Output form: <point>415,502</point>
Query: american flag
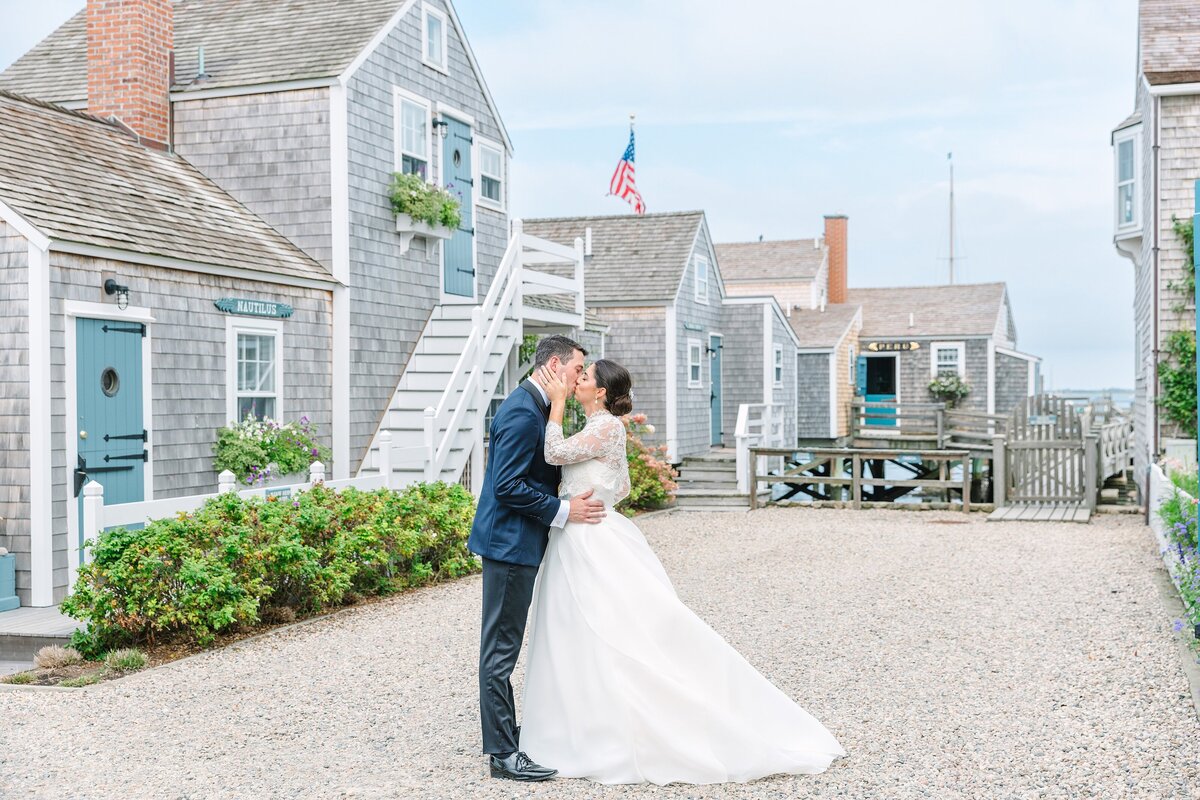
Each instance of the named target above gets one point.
<point>623,184</point>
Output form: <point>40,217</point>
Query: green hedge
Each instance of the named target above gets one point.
<point>221,567</point>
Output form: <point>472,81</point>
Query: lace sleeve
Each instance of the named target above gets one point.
<point>597,439</point>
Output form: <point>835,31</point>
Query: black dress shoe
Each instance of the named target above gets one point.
<point>520,767</point>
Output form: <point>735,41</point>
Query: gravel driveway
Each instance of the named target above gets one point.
<point>952,660</point>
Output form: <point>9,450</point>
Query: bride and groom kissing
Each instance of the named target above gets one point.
<point>623,683</point>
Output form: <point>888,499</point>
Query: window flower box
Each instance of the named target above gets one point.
<point>410,228</point>
<point>423,209</point>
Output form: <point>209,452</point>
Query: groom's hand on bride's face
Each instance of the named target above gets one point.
<point>586,510</point>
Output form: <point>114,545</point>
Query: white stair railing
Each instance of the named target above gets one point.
<point>465,388</point>
<point>758,425</point>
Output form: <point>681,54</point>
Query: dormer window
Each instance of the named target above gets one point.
<point>433,51</point>
<point>1128,173</point>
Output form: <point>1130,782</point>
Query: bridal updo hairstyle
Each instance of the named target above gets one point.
<point>617,385</point>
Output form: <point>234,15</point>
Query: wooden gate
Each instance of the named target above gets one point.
<point>1046,470</point>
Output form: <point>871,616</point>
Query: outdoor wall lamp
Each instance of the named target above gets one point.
<point>443,125</point>
<point>122,292</point>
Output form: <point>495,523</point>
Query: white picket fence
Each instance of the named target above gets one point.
<point>97,517</point>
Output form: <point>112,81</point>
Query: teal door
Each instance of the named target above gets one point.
<point>459,267</point>
<point>110,431</point>
<point>881,387</point>
<point>714,344</point>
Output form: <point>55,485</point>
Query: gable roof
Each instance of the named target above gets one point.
<point>80,179</point>
<point>963,309</point>
<point>821,329</point>
<point>246,43</point>
<point>1169,41</point>
<point>761,261</point>
<point>634,258</point>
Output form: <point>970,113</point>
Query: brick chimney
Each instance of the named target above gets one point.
<point>129,44</point>
<point>835,240</point>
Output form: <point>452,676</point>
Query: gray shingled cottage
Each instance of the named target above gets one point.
<point>695,354</point>
<point>138,298</point>
<point>880,344</point>
<point>300,112</point>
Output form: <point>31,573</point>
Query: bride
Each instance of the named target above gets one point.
<point>625,684</point>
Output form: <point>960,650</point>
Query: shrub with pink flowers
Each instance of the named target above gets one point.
<point>257,450</point>
<point>651,477</point>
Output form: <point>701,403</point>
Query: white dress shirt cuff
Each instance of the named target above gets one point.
<point>564,511</point>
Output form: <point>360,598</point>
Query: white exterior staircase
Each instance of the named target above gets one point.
<point>436,415</point>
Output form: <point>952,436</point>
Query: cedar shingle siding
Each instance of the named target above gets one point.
<point>813,404</point>
<point>696,320</point>
<point>14,399</point>
<point>393,295</point>
<point>635,340</point>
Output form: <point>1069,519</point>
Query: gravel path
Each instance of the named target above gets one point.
<point>952,660</point>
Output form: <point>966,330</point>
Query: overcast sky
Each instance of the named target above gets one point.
<point>769,115</point>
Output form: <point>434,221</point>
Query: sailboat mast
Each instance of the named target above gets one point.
<point>950,158</point>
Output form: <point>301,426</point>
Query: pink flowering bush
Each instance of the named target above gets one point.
<point>651,477</point>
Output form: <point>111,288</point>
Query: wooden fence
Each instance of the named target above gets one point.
<point>828,468</point>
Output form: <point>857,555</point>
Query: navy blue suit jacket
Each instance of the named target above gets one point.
<point>520,490</point>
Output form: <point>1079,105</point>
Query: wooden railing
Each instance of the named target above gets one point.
<point>970,429</point>
<point>834,461</point>
<point>1116,446</point>
<point>945,427</point>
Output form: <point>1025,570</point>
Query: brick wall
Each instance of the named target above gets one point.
<point>129,46</point>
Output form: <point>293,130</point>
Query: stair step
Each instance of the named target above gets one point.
<point>708,471</point>
<point>690,501</point>
<point>420,380</point>
<point>446,362</point>
<point>706,486</point>
<point>413,419</point>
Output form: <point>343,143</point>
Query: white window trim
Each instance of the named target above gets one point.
<point>398,95</point>
<point>428,11</point>
<point>961,347</point>
<point>777,365</point>
<point>480,200</point>
<point>696,348</point>
<point>701,296</point>
<point>258,327</point>
<point>853,367</point>
<point>1134,135</point>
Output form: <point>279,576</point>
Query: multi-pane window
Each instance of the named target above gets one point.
<point>257,367</point>
<point>1126,183</point>
<point>778,365</point>
<point>701,279</point>
<point>434,48</point>
<point>695,359</point>
<point>413,126</point>
<point>948,359</point>
<point>491,174</point>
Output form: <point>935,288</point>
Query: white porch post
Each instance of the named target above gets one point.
<point>41,531</point>
<point>90,526</point>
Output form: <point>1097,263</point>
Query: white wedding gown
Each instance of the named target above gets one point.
<point>625,684</point>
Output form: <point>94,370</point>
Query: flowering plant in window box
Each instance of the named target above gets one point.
<point>949,388</point>
<point>268,453</point>
<point>423,209</point>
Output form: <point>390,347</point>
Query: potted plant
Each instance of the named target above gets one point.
<point>268,453</point>
<point>949,388</point>
<point>423,209</point>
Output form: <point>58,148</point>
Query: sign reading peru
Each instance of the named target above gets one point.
<point>254,308</point>
<point>888,347</point>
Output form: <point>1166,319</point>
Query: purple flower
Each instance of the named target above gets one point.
<point>304,420</point>
<point>314,452</point>
<point>295,504</point>
<point>1177,626</point>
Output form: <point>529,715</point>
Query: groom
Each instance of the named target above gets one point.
<point>517,508</point>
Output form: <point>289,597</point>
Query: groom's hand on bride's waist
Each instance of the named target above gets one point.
<point>585,509</point>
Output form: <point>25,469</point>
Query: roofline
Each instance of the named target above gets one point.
<point>168,262</point>
<point>926,286</point>
<point>1169,89</point>
<point>923,336</point>
<point>642,302</point>
<point>688,259</point>
<point>592,217</point>
<point>856,316</point>
<point>23,226</point>
<point>762,300</point>
<point>1017,354</point>
<point>249,88</point>
<point>390,25</point>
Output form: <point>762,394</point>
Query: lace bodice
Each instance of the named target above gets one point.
<point>594,458</point>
